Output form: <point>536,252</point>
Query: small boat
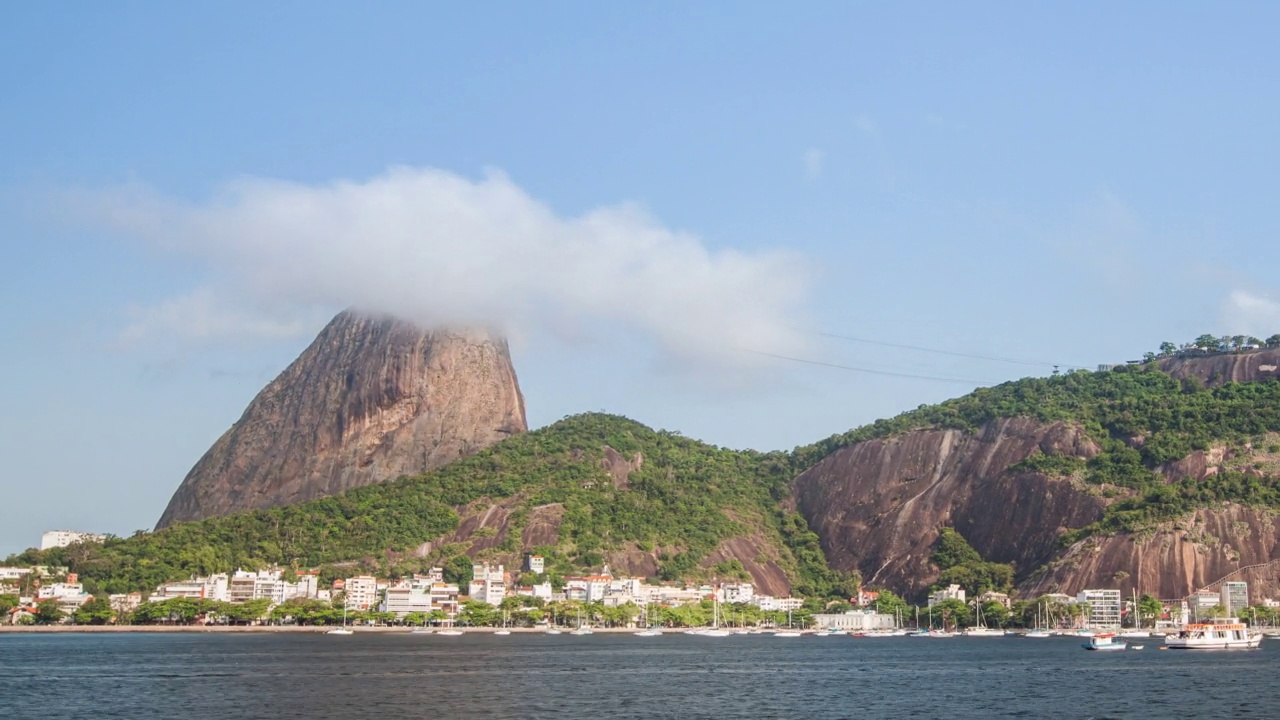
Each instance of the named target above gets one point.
<point>1136,647</point>
<point>501,632</point>
<point>1104,641</point>
<point>1135,634</point>
<point>450,631</point>
<point>787,633</point>
<point>553,631</point>
<point>649,632</point>
<point>1038,633</point>
<point>583,631</point>
<point>344,630</point>
<point>983,632</point>
<point>1229,634</point>
<point>420,631</point>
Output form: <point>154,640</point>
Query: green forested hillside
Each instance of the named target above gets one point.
<point>683,501</point>
<point>687,497</point>
<point>1140,416</point>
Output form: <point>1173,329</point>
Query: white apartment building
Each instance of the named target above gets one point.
<point>736,592</point>
<point>193,588</point>
<point>362,592</point>
<point>13,573</point>
<point>541,590</point>
<point>488,583</point>
<point>950,592</point>
<point>63,538</point>
<point>1104,607</point>
<point>536,564</point>
<point>854,620</point>
<point>1235,597</point>
<point>403,598</point>
<point>768,603</point>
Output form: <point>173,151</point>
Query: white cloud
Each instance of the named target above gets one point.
<point>1250,313</point>
<point>813,159</point>
<point>438,248</point>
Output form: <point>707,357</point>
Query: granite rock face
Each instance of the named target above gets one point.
<point>1214,370</point>
<point>372,398</point>
<point>878,506</point>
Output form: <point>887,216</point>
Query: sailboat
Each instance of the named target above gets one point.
<point>715,630</point>
<point>788,633</point>
<point>503,630</point>
<point>581,629</point>
<point>981,629</point>
<point>647,631</point>
<point>1039,631</point>
<point>344,630</point>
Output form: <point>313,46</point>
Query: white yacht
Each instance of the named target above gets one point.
<point>1229,634</point>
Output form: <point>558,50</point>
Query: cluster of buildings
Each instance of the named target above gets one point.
<point>422,593</point>
<point>1107,608</point>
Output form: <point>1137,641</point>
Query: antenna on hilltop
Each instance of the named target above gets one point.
<point>1055,369</point>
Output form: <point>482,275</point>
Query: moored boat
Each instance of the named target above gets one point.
<point>1229,634</point>
<point>1104,641</point>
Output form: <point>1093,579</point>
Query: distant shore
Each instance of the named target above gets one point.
<point>262,629</point>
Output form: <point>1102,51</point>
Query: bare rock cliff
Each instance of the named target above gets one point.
<point>1196,552</point>
<point>372,398</point>
<point>1214,370</point>
<point>877,506</point>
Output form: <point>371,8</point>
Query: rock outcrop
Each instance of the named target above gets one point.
<point>1193,553</point>
<point>1213,370</point>
<point>372,398</point>
<point>877,506</point>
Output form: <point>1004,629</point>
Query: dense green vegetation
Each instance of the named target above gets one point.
<point>686,498</point>
<point>962,565</point>
<point>683,501</point>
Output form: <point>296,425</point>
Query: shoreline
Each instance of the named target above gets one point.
<point>313,629</point>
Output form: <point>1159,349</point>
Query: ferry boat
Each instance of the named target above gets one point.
<point>1229,634</point>
<point>1105,641</point>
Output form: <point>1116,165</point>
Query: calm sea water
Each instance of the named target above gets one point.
<point>617,677</point>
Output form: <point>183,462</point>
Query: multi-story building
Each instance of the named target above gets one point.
<point>535,564</point>
<point>13,573</point>
<point>854,620</point>
<point>1234,597</point>
<point>768,603</point>
<point>69,594</point>
<point>361,592</point>
<point>403,598</point>
<point>488,583</point>
<point>193,588</point>
<point>737,592</point>
<point>950,592</point>
<point>1104,607</point>
<point>125,603</point>
<point>63,538</point>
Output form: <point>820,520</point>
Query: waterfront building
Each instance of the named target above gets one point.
<point>361,592</point>
<point>950,592</point>
<point>1234,597</point>
<point>123,603</point>
<point>1104,607</point>
<point>993,596</point>
<point>856,620</point>
<point>768,603</point>
<point>403,598</point>
<point>193,588</point>
<point>63,538</point>
<point>488,583</point>
<point>736,592</point>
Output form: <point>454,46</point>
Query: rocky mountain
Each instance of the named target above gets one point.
<point>372,398</point>
<point>1130,479</point>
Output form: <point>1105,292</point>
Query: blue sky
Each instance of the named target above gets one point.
<point>1067,184</point>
